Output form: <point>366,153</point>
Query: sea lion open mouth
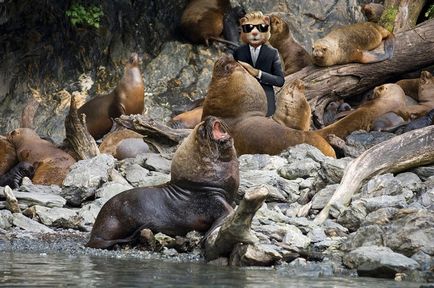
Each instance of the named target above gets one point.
<point>219,131</point>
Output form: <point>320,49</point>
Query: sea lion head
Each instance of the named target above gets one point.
<point>207,156</point>
<point>233,92</point>
<point>26,169</point>
<point>390,95</point>
<point>134,60</point>
<point>255,28</point>
<point>19,135</point>
<point>426,86</point>
<point>323,52</point>
<point>279,28</point>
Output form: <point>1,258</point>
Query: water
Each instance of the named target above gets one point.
<point>58,270</point>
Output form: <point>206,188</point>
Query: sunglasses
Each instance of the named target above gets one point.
<point>249,27</point>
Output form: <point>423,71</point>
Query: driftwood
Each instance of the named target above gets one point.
<point>412,52</point>
<point>160,136</point>
<point>77,136</point>
<point>400,15</point>
<point>411,149</point>
<point>11,200</point>
<point>236,227</point>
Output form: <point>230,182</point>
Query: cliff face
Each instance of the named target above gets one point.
<point>42,50</point>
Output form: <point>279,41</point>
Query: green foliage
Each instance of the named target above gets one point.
<point>430,12</point>
<point>87,16</point>
<point>388,18</point>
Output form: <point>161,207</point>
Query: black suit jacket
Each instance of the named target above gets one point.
<point>269,63</point>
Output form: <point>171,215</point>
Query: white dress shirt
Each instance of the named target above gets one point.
<point>254,53</point>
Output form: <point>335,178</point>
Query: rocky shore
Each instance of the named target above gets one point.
<point>387,230</point>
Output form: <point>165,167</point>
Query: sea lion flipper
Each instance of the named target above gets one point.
<point>372,57</point>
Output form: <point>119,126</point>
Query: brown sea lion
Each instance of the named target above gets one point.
<point>387,121</point>
<point>352,43</point>
<point>410,87</point>
<point>51,164</point>
<point>239,99</point>
<point>202,20</point>
<point>372,11</point>
<point>16,174</point>
<point>186,120</point>
<point>386,98</point>
<point>292,108</point>
<point>204,180</point>
<point>111,141</point>
<point>425,96</point>
<point>127,98</point>
<point>294,56</point>
<point>8,155</point>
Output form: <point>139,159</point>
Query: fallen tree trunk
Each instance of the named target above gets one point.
<point>411,149</point>
<point>77,136</point>
<point>412,52</point>
<point>236,227</point>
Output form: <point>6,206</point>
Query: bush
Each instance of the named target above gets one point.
<point>87,16</point>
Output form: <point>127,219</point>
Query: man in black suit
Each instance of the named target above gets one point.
<point>262,61</point>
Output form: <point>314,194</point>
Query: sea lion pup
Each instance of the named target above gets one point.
<point>386,98</point>
<point>204,180</point>
<point>425,96</point>
<point>292,108</point>
<point>202,20</point>
<point>8,155</point>
<point>294,56</point>
<point>421,122</point>
<point>51,164</point>
<point>111,140</point>
<point>372,11</point>
<point>352,44</point>
<point>127,98</point>
<point>16,174</point>
<point>237,97</point>
<point>330,112</point>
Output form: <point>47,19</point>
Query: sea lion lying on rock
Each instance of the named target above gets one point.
<point>425,96</point>
<point>16,174</point>
<point>51,163</point>
<point>204,180</point>
<point>352,43</point>
<point>237,97</point>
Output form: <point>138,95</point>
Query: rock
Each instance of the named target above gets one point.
<point>427,199</point>
<point>409,180</point>
<point>39,197</point>
<point>85,177</point>
<point>21,221</point>
<point>89,212</point>
<point>322,197</point>
<point>157,162</point>
<point>295,238</point>
<point>58,217</point>
<point>378,261</point>
<point>317,235</point>
<point>384,201</point>
<point>425,261</point>
<point>300,169</point>
<point>371,235</point>
<point>303,268</point>
<point>353,216</point>
<point>110,189</point>
<point>6,219</point>
<point>262,162</point>
<point>380,185</point>
<point>381,216</point>
<point>424,172</point>
<point>252,255</point>
<point>332,169</point>
<point>362,141</point>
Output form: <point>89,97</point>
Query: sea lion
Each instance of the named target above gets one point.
<point>231,23</point>
<point>51,164</point>
<point>127,98</point>
<point>373,11</point>
<point>352,43</point>
<point>386,98</point>
<point>387,121</point>
<point>236,96</point>
<point>294,56</point>
<point>111,140</point>
<point>204,180</point>
<point>292,108</point>
<point>410,87</point>
<point>425,96</point>
<point>8,155</point>
<point>186,120</point>
<point>16,174</point>
<point>420,122</point>
<point>202,20</point>
<point>330,112</point>
<point>130,148</point>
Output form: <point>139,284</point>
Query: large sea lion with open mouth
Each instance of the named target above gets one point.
<point>204,180</point>
<point>237,97</point>
<point>127,98</point>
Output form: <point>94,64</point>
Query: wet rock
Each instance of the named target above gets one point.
<point>6,219</point>
<point>378,262</point>
<point>58,217</point>
<point>303,268</point>
<point>39,196</point>
<point>21,221</point>
<point>85,177</point>
<point>359,142</point>
<point>252,255</point>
